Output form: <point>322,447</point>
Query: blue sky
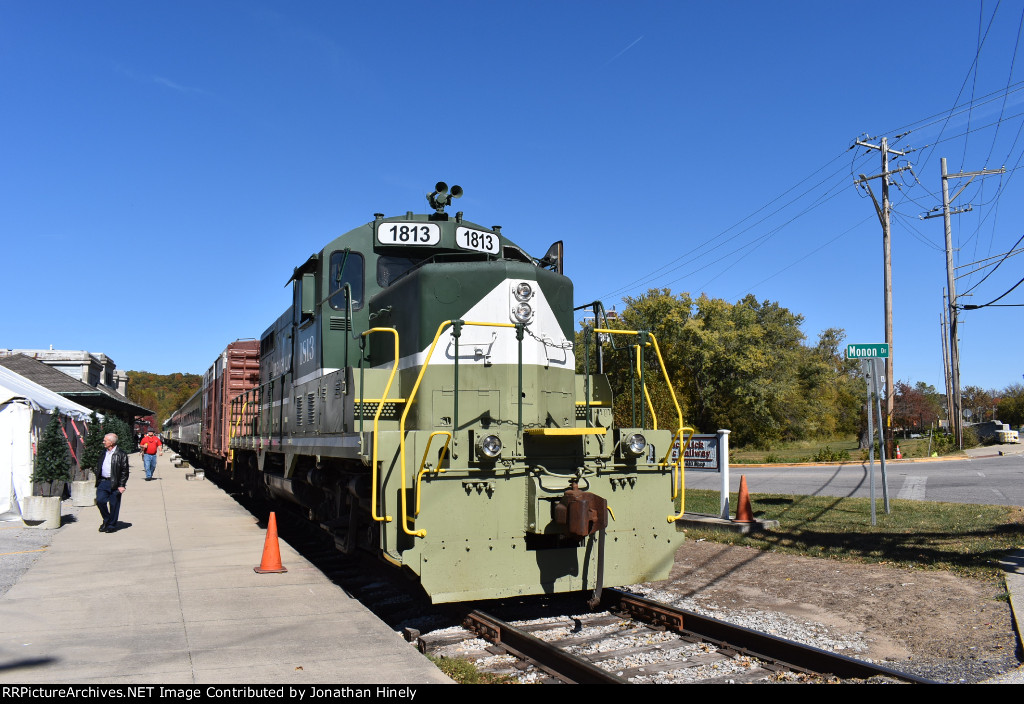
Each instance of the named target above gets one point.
<point>165,165</point>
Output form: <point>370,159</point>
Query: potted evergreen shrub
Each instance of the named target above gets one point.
<point>50,475</point>
<point>125,439</point>
<point>83,486</point>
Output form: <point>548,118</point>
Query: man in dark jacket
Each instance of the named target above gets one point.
<point>111,477</point>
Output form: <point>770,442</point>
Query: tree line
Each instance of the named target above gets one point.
<point>163,393</point>
<point>747,367</point>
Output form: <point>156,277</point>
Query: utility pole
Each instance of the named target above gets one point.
<point>883,217</point>
<point>956,412</point>
<point>944,324</point>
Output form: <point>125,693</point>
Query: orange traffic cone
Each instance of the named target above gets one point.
<point>899,455</point>
<point>744,514</point>
<point>271,552</point>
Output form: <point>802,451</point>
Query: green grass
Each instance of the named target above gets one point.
<point>798,451</point>
<point>966,539</point>
<point>806,450</point>
<point>465,672</point>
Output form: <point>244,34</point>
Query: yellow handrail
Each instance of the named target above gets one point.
<point>423,470</point>
<point>412,395</point>
<point>668,382</point>
<point>678,483</point>
<point>680,489</point>
<point>231,434</point>
<point>661,363</point>
<point>376,418</point>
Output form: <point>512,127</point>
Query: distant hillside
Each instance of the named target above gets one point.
<point>164,393</point>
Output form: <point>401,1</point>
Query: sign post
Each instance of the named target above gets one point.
<point>870,356</point>
<point>709,453</point>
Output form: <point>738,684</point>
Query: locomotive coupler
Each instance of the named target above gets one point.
<point>584,513</point>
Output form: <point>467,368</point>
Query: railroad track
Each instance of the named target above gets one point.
<point>630,639</point>
<point>637,640</point>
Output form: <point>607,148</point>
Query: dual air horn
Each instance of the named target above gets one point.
<point>442,197</point>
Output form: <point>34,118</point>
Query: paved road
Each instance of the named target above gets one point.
<point>979,480</point>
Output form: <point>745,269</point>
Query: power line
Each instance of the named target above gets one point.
<point>694,255</point>
<point>806,256</point>
<point>1004,295</point>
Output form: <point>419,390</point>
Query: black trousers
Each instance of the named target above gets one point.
<point>108,500</point>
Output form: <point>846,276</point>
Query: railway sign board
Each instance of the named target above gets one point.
<point>701,453</point>
<point>871,350</point>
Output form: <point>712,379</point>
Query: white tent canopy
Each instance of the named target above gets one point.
<point>15,387</point>
<point>23,405</point>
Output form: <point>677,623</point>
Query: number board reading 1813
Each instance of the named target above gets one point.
<point>476,240</point>
<point>414,234</point>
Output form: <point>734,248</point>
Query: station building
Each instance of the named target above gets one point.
<point>87,378</point>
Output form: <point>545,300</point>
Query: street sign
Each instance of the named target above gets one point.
<point>871,350</point>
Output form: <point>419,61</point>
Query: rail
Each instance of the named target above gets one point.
<point>755,643</point>
<point>567,667</point>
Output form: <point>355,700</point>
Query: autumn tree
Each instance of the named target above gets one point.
<point>741,366</point>
<point>162,393</point>
<point>977,403</point>
<point>915,408</point>
<point>1010,408</point>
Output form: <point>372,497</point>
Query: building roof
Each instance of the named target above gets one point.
<point>15,387</point>
<point>99,398</point>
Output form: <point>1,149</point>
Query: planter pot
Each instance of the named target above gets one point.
<point>54,488</point>
<point>41,512</point>
<point>83,493</point>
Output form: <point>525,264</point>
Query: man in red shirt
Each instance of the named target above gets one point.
<point>149,445</point>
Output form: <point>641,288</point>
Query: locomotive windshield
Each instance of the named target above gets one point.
<point>390,268</point>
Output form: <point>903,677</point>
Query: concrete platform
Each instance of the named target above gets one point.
<point>172,598</point>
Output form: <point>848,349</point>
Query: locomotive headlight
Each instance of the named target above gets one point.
<point>489,446</point>
<point>633,444</point>
<point>523,312</point>
<point>523,291</point>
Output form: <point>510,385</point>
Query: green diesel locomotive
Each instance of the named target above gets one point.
<point>421,400</point>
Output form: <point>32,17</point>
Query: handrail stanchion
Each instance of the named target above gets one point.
<point>376,421</point>
<point>408,405</point>
<point>519,340</point>
<point>456,333</point>
<point>678,488</point>
<point>234,430</point>
<point>440,460</point>
<point>647,395</point>
<point>586,371</point>
<point>401,427</point>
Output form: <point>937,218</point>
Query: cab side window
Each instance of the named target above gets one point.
<point>346,268</point>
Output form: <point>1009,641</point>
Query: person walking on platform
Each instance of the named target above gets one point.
<point>111,477</point>
<point>149,446</point>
